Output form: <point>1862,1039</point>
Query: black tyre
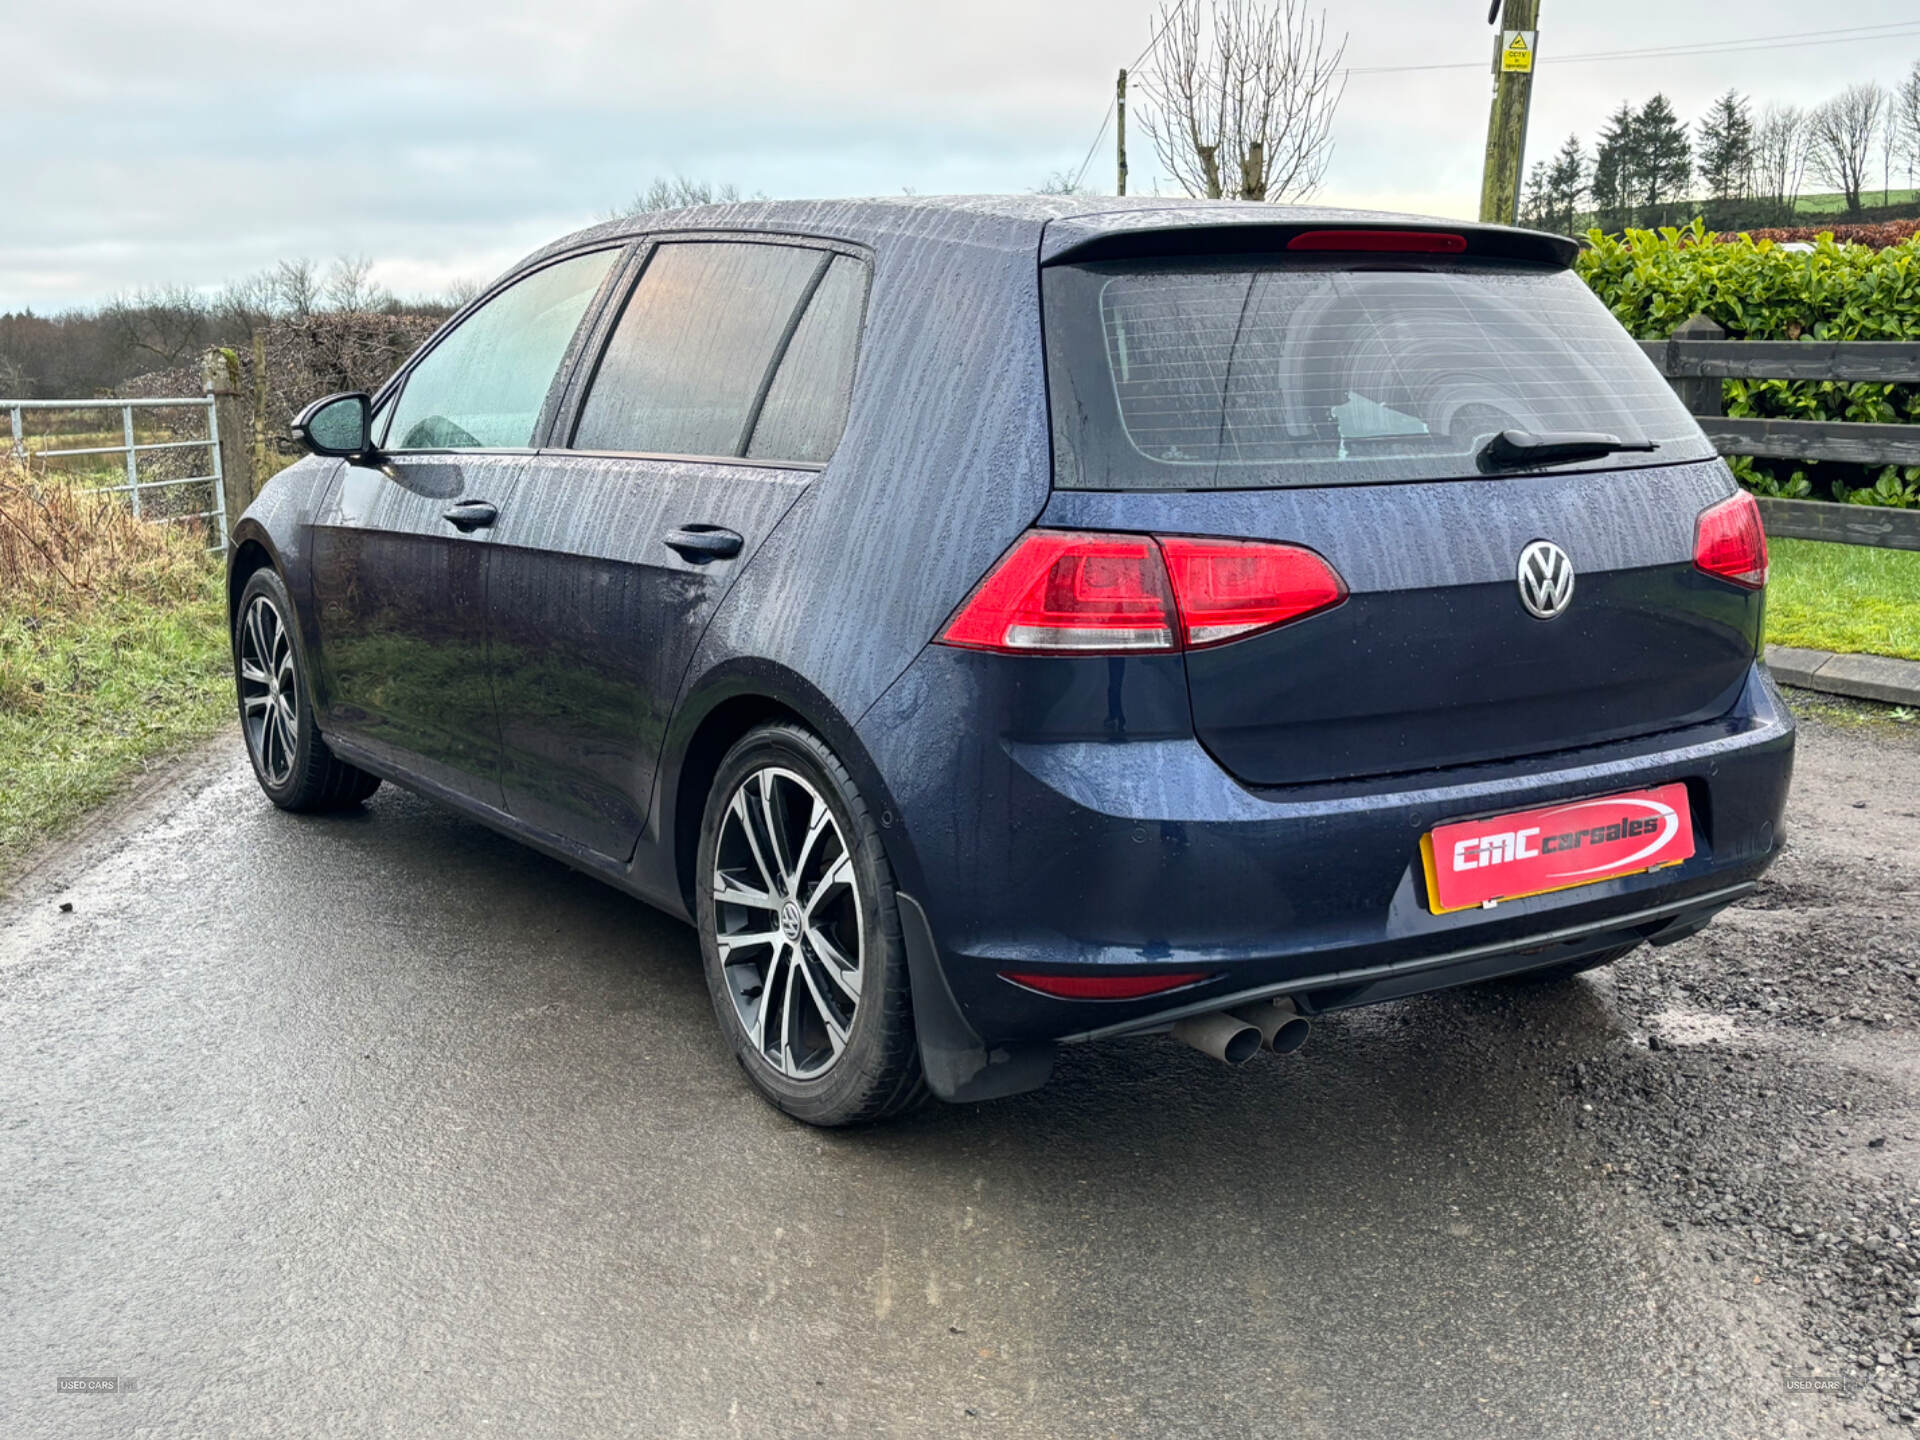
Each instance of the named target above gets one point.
<point>290,760</point>
<point>800,932</point>
<point>1567,969</point>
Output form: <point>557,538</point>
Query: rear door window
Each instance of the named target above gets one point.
<point>1246,373</point>
<point>806,405</point>
<point>483,386</point>
<point>729,349</point>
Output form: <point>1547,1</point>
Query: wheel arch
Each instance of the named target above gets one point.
<point>252,551</point>
<point>734,700</point>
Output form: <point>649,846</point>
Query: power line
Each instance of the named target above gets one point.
<point>1080,174</point>
<point>1805,38</point>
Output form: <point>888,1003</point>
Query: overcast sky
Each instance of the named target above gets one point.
<point>151,145</point>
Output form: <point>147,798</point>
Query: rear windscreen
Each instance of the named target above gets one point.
<point>1239,374</point>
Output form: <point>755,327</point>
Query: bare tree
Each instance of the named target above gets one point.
<point>1060,182</point>
<point>1241,96</point>
<point>162,327</point>
<point>1840,138</point>
<point>678,193</point>
<point>1780,153</point>
<point>349,286</point>
<point>244,306</point>
<point>1905,120</point>
<point>457,294</point>
<point>296,288</point>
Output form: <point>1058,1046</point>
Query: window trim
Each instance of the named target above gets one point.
<point>566,421</point>
<point>556,387</point>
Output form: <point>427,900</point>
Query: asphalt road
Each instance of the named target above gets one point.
<point>382,1124</point>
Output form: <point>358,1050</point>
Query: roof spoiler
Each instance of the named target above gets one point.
<point>1180,237</point>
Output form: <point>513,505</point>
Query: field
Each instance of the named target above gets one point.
<point>1849,598</point>
<point>112,653</point>
<point>1835,204</point>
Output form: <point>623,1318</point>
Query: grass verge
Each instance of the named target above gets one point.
<point>1850,598</point>
<point>113,653</point>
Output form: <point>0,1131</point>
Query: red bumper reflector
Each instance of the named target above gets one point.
<point>1104,987</point>
<point>1403,242</point>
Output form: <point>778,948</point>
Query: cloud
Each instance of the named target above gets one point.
<point>157,145</point>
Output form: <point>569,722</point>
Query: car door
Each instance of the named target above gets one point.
<point>716,396</point>
<point>399,549</point>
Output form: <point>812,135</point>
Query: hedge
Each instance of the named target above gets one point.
<point>1758,290</point>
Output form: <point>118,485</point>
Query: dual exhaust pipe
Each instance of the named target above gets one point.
<point>1236,1036</point>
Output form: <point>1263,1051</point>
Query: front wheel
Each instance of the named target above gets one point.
<point>290,760</point>
<point>800,933</point>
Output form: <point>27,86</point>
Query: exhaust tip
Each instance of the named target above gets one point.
<point>1227,1039</point>
<point>1291,1035</point>
<point>1283,1029</point>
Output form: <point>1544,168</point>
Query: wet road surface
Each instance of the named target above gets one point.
<point>383,1124</point>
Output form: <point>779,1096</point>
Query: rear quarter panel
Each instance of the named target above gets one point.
<point>945,460</point>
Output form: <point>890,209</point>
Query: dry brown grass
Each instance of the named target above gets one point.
<point>113,651</point>
<point>67,547</point>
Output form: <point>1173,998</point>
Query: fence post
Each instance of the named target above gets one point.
<point>133,459</point>
<point>1703,395</point>
<point>19,450</point>
<point>231,422</point>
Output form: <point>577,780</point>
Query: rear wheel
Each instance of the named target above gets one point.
<point>290,760</point>
<point>800,934</point>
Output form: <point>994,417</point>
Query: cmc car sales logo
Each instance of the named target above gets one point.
<point>1534,851</point>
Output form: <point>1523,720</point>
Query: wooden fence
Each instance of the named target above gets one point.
<point>1699,357</point>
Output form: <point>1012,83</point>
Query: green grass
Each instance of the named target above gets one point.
<point>113,651</point>
<point>1849,598</point>
<point>1835,203</point>
<point>88,701</point>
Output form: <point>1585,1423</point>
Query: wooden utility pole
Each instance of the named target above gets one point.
<point>1514,56</point>
<point>1120,130</point>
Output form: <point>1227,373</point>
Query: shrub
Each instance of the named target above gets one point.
<point>1757,290</point>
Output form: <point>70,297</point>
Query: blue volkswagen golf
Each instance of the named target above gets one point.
<point>1000,624</point>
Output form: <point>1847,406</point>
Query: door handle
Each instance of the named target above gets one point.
<point>700,543</point>
<point>471,515</point>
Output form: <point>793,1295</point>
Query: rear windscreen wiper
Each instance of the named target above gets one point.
<point>1521,449</point>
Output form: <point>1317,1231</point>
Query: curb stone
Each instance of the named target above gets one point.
<point>1861,677</point>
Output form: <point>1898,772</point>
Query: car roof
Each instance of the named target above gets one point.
<point>1055,225</point>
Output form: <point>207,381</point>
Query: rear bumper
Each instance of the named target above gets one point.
<point>1142,854</point>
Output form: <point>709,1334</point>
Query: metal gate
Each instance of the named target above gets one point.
<point>135,486</point>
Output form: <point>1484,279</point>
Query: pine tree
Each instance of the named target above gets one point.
<point>1663,154</point>
<point>1615,169</point>
<point>1535,210</point>
<point>1726,148</point>
<point>1566,185</point>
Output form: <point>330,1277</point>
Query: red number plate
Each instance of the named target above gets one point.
<point>1531,852</point>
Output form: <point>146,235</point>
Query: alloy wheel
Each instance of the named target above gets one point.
<point>787,922</point>
<point>269,692</point>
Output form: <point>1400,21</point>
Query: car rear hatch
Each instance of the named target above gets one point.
<point>1342,390</point>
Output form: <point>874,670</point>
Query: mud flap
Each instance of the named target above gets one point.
<point>958,1065</point>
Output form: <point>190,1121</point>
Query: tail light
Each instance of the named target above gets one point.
<point>1730,542</point>
<point>1058,590</point>
<point>1105,987</point>
<point>1227,589</point>
<point>1068,592</point>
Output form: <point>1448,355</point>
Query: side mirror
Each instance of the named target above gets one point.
<point>337,425</point>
